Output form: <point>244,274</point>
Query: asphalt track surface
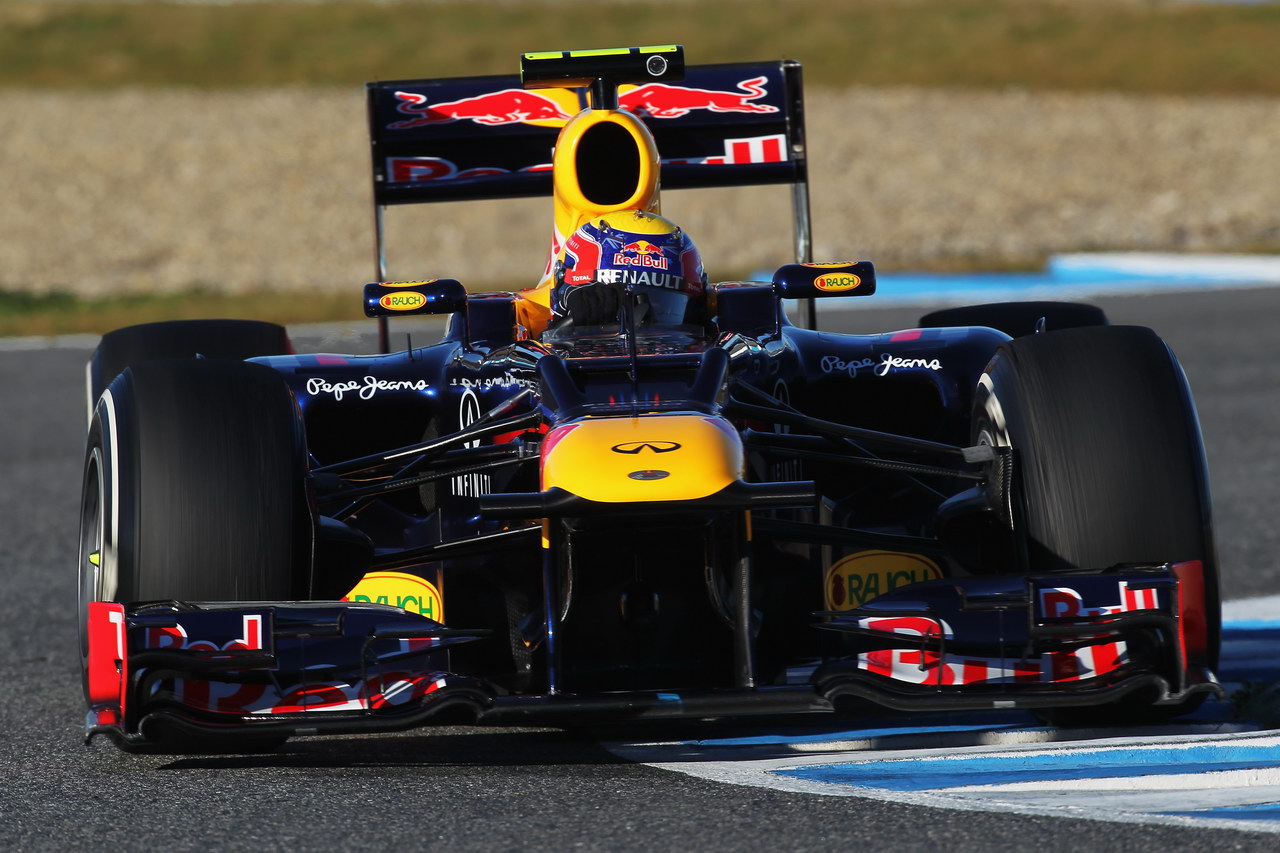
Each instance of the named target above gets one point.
<point>503,789</point>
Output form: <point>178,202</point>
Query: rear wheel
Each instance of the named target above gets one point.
<point>1109,464</point>
<point>1017,319</point>
<point>194,491</point>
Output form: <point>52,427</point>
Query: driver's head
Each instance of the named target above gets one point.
<point>642,251</point>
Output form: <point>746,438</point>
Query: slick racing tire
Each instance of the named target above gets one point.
<point>194,491</point>
<point>234,340</point>
<point>1109,466</point>
<point>1017,319</point>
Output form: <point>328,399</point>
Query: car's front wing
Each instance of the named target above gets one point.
<point>244,669</point>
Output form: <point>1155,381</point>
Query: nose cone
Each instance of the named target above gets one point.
<point>652,458</point>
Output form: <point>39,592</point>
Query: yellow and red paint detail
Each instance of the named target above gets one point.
<point>684,457</point>
<point>409,592</point>
<point>836,282</point>
<point>406,301</point>
<point>857,578</point>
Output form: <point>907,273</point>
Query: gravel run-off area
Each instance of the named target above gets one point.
<point>146,190</point>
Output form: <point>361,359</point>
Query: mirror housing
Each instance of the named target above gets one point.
<point>491,320</point>
<point>744,307</point>
<point>809,281</point>
<point>406,298</point>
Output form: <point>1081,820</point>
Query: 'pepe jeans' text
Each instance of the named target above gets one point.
<point>835,364</point>
<point>364,388</point>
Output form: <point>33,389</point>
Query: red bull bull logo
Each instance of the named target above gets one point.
<point>641,253</point>
<point>491,109</point>
<point>658,100</point>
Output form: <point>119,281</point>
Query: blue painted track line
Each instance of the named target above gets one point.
<point>1068,277</point>
<point>1251,629</point>
<point>1258,811</point>
<point>1250,651</point>
<point>922,288</point>
<point>859,734</point>
<point>916,774</point>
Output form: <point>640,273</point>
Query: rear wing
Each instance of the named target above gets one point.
<point>465,138</point>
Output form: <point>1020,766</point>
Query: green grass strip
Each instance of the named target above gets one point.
<point>1133,47</point>
<point>24,314</point>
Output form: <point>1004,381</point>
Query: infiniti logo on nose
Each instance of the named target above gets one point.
<point>634,447</point>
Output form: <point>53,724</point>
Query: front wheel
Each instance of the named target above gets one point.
<point>194,488</point>
<point>1110,467</point>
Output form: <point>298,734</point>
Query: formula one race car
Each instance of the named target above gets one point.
<point>627,492</point>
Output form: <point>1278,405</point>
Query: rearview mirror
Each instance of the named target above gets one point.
<point>807,281</point>
<point>401,298</point>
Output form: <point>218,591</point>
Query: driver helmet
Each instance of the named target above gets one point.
<point>644,251</point>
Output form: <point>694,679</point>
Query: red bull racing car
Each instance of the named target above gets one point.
<point>630,492</point>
